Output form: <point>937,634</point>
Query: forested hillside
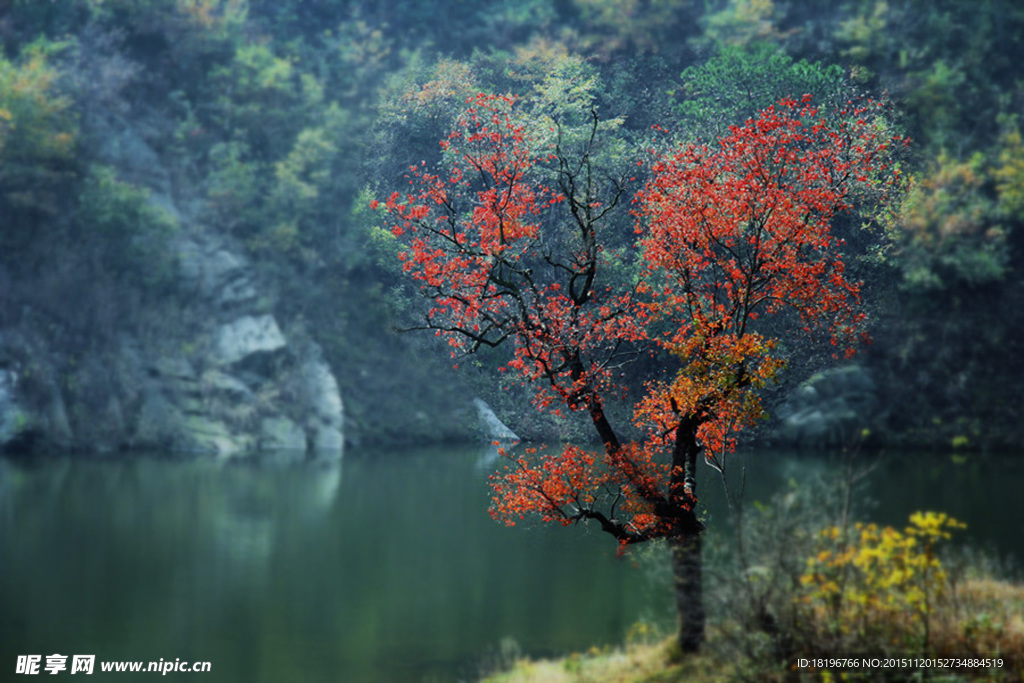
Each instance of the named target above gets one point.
<point>189,258</point>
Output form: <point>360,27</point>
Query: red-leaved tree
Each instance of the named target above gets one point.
<point>504,241</point>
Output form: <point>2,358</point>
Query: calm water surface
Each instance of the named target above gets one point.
<point>385,567</point>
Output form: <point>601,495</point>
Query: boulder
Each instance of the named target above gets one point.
<point>247,336</point>
<point>829,409</point>
<point>491,427</point>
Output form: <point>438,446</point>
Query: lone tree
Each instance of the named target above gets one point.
<point>504,240</point>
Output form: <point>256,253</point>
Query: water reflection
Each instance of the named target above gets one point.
<point>392,572</point>
<point>146,558</point>
<point>488,458</point>
<point>256,503</point>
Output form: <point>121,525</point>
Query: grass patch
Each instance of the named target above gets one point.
<point>633,663</point>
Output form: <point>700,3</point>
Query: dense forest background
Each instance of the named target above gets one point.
<point>132,131</point>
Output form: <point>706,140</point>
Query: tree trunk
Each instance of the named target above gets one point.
<point>686,575</point>
<point>686,544</point>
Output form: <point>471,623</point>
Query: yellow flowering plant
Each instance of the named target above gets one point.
<point>874,582</point>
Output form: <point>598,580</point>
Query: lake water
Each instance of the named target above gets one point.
<point>385,567</point>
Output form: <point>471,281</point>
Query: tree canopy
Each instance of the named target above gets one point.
<point>505,239</point>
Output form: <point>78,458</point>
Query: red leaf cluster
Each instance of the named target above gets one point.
<point>728,235</point>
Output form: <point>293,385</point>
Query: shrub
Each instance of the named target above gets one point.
<point>854,589</point>
<point>877,587</point>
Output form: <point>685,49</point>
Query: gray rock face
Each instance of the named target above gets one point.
<point>212,270</point>
<point>491,427</point>
<point>829,409</point>
<point>125,148</point>
<point>201,434</point>
<point>280,433</point>
<point>157,420</point>
<point>13,421</point>
<point>228,386</point>
<point>207,398</point>
<point>319,389</point>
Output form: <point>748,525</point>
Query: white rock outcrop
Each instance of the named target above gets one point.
<point>246,336</point>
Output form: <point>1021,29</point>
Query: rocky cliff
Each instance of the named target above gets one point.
<point>205,366</point>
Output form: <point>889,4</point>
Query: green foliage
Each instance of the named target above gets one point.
<point>951,231</point>
<point>234,186</point>
<point>936,98</point>
<point>178,43</point>
<point>741,80</point>
<point>258,93</point>
<point>865,33</point>
<point>114,208</point>
<point>38,133</point>
<point>306,168</point>
<point>131,232</point>
<point>220,16</point>
<point>418,107</point>
<point>560,108</point>
<point>352,62</point>
<point>280,147</point>
<point>455,27</point>
<point>567,87</point>
<point>194,20</point>
<point>610,28</point>
<point>741,22</point>
<point>303,181</point>
<point>957,223</point>
<point>960,442</point>
<point>380,246</point>
<point>949,61</point>
<point>1010,173</point>
<point>26,21</point>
